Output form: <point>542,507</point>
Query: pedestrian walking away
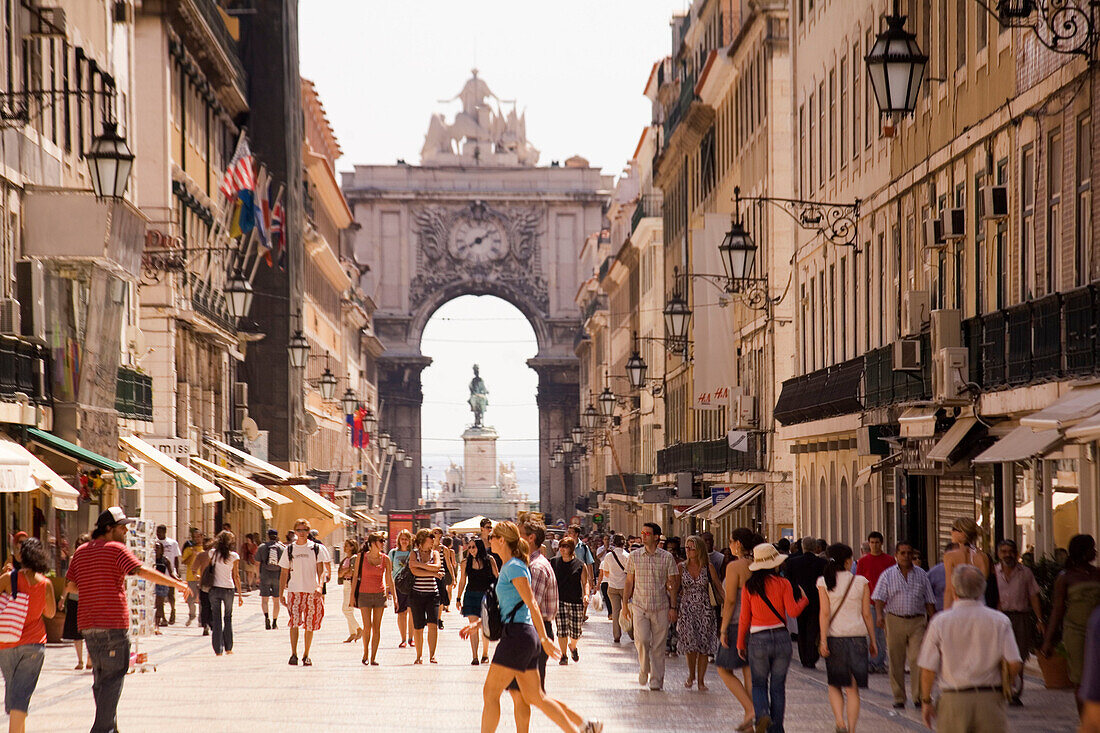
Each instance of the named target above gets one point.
<point>573,589</point>
<point>160,593</point>
<point>767,601</point>
<point>172,555</point>
<point>344,578</point>
<point>730,664</point>
<point>847,634</point>
<point>516,656</point>
<point>21,659</point>
<point>300,587</point>
<point>268,556</point>
<point>964,649</point>
<point>904,601</point>
<point>70,603</point>
<point>871,565</point>
<point>651,593</point>
<point>1088,694</point>
<point>613,575</point>
<point>97,572</point>
<point>1076,594</point>
<point>399,557</point>
<point>225,579</point>
<point>478,573</point>
<point>200,563</point>
<point>937,577</point>
<point>427,568</point>
<point>372,584</point>
<point>696,624</point>
<point>1019,595</point>
<point>804,570</point>
<point>964,532</point>
<point>192,548</point>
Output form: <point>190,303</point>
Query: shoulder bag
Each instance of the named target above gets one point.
<point>206,580</point>
<point>404,579</point>
<point>13,612</point>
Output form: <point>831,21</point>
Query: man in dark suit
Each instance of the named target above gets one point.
<point>803,571</point>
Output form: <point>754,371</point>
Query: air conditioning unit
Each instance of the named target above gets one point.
<point>933,234</point>
<point>950,374</point>
<point>744,411</point>
<point>954,224</point>
<point>9,316</point>
<point>994,202</point>
<point>30,288</point>
<point>907,355</point>
<point>916,305</point>
<point>946,329</point>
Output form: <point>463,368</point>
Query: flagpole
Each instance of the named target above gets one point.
<point>256,262</point>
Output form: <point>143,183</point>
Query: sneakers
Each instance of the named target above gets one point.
<point>293,660</point>
<point>274,623</point>
<point>267,623</point>
<point>576,655</point>
<point>563,661</point>
<point>307,662</point>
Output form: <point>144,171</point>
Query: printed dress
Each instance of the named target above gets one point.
<point>695,625</point>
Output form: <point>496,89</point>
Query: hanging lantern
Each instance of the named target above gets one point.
<point>896,67</point>
<point>578,434</point>
<point>607,402</point>
<point>400,454</point>
<point>391,449</point>
<point>109,163</point>
<point>590,417</point>
<point>350,403</point>
<point>567,444</point>
<point>677,314</point>
<point>635,370</point>
<point>328,384</point>
<point>238,295</point>
<point>738,253</point>
<point>408,462</point>
<point>298,348</point>
<point>371,422</point>
<point>384,441</point>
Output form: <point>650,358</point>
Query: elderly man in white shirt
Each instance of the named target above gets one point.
<point>964,646</point>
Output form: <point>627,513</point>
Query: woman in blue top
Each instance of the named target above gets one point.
<point>516,656</point>
<point>398,557</point>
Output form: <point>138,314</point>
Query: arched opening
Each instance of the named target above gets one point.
<point>822,503</point>
<point>494,334</point>
<point>845,512</point>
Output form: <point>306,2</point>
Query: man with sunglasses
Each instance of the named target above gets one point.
<point>303,572</point>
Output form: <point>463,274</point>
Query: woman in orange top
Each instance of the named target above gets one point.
<point>21,661</point>
<point>762,637</point>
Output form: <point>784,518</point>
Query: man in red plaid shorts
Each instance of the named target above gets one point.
<point>303,572</point>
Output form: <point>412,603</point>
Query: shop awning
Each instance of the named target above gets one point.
<point>735,500</point>
<point>863,477</point>
<point>15,470</point>
<point>311,497</point>
<point>623,499</point>
<point>918,422</point>
<point>1019,445</point>
<point>250,460</point>
<point>235,483</point>
<point>942,450</point>
<point>1057,499</point>
<point>65,497</point>
<point>249,497</point>
<point>366,516</point>
<point>74,451</point>
<point>1068,410</point>
<point>208,491</point>
<point>696,509</point>
<point>1086,430</point>
<point>473,524</point>
<point>258,490</point>
<point>821,394</point>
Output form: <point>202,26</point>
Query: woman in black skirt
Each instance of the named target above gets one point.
<point>68,603</point>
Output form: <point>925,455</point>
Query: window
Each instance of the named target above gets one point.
<point>960,203</point>
<point>960,35</point>
<point>868,98</point>
<point>821,133</point>
<point>803,180</point>
<point>979,247</point>
<point>706,164</point>
<point>1082,239</point>
<point>855,99</point>
<point>1027,223</point>
<point>813,322</point>
<point>1054,207</point>
<point>803,329</point>
<point>832,123</point>
<point>981,31</point>
<point>1000,271</point>
<point>832,314</point>
<point>866,295</point>
<point>880,282</point>
<point>842,130</point>
<point>941,47</point>
<point>812,152</point>
<point>842,322</point>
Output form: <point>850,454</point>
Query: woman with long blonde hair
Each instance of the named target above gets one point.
<point>399,556</point>
<point>516,656</point>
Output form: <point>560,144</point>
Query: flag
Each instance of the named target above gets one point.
<point>261,211</point>
<point>238,174</point>
<point>245,212</point>
<point>278,234</point>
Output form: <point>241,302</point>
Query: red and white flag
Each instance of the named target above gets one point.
<point>239,174</point>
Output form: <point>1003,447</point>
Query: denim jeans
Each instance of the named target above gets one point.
<point>109,653</point>
<point>769,655</point>
<point>878,662</point>
<point>221,619</point>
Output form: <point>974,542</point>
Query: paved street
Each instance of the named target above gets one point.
<point>255,688</point>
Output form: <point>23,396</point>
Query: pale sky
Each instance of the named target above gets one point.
<point>578,69</point>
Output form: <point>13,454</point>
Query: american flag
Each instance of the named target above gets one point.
<point>238,174</point>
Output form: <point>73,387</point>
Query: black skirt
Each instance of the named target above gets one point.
<point>70,631</point>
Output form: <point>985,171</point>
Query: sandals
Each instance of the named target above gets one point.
<point>402,645</point>
<point>484,658</point>
<point>366,662</point>
<point>432,660</point>
<point>747,727</point>
<point>418,661</point>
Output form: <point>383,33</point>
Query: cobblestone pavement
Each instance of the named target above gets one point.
<point>255,689</point>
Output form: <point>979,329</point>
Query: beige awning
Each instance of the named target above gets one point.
<point>918,422</point>
<point>265,509</point>
<point>235,483</point>
<point>863,477</point>
<point>311,497</point>
<point>1020,445</point>
<point>250,460</point>
<point>735,500</point>
<point>1068,410</point>
<point>15,469</point>
<point>696,509</point>
<point>65,497</point>
<point>942,450</point>
<point>259,490</point>
<point>209,493</point>
<point>1086,430</point>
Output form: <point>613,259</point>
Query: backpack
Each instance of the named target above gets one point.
<point>265,551</point>
<point>492,622</point>
<point>290,561</point>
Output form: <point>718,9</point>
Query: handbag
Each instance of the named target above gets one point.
<point>13,612</point>
<point>206,580</point>
<point>404,579</point>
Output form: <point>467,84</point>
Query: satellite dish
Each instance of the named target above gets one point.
<point>250,429</point>
<point>311,424</point>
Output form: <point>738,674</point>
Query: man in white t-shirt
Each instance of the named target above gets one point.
<point>172,556</point>
<point>613,573</point>
<point>303,572</point>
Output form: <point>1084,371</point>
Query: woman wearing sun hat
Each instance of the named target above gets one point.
<point>767,600</point>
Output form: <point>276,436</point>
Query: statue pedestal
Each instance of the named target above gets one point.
<point>480,460</point>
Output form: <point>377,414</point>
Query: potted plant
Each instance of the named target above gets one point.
<point>1055,668</point>
<point>55,625</point>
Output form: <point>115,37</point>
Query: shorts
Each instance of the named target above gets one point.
<point>727,657</point>
<point>518,648</point>
<point>471,603</point>
<point>269,584</point>
<point>570,619</point>
<point>847,661</point>
<point>371,600</point>
<point>402,602</point>
<point>444,594</point>
<point>306,611</point>
<point>21,666</point>
<point>425,609</point>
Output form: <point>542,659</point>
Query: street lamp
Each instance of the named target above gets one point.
<point>408,463</point>
<point>350,402</point>
<point>328,384</point>
<point>567,444</point>
<point>400,454</point>
<point>371,422</point>
<point>636,367</point>
<point>578,434</point>
<point>1015,9</point>
<point>590,417</point>
<point>677,315</point>
<point>238,295</point>
<point>896,67</point>
<point>607,402</point>
<point>391,449</point>
<point>298,348</point>
<point>109,163</point>
<point>738,252</point>
<point>384,441</point>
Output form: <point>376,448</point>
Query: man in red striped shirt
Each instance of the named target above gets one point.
<point>97,571</point>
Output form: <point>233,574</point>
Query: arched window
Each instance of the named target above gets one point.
<point>823,503</point>
<point>845,513</point>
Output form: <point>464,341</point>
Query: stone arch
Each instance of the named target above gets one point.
<point>833,518</point>
<point>804,502</point>
<point>822,501</point>
<point>845,512</point>
<point>447,293</point>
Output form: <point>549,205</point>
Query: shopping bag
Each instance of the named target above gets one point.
<point>13,612</point>
<point>595,603</point>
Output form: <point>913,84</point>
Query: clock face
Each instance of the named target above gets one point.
<point>478,241</point>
